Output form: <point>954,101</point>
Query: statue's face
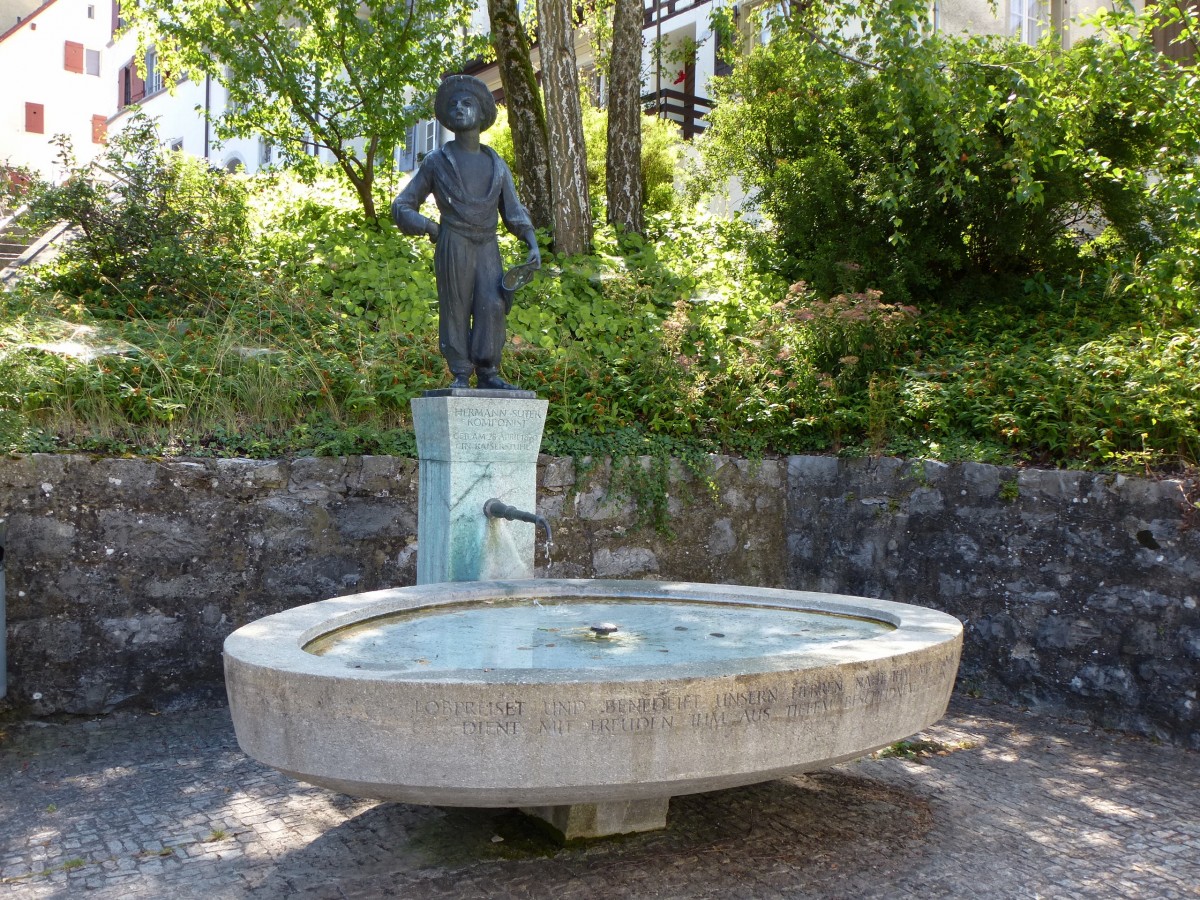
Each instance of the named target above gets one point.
<point>464,113</point>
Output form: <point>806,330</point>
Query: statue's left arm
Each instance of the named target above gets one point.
<point>516,217</point>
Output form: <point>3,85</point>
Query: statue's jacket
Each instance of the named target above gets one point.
<point>472,217</point>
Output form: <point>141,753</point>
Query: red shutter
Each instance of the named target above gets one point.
<point>35,118</point>
<point>73,57</point>
<point>130,88</point>
<point>99,129</point>
<point>137,91</point>
<point>116,16</point>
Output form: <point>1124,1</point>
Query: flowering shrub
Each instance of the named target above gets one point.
<point>849,336</point>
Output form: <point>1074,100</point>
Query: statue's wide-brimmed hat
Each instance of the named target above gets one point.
<point>453,85</point>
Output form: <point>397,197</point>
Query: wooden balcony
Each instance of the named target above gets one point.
<point>687,110</point>
<point>660,10</point>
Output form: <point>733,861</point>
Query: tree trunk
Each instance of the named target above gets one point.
<point>526,115</point>
<point>568,161</point>
<point>363,184</point>
<point>623,179</point>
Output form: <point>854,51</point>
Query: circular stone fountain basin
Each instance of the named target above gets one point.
<point>502,694</point>
<point>553,634</point>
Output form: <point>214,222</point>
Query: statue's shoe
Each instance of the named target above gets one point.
<point>461,381</point>
<point>494,383</point>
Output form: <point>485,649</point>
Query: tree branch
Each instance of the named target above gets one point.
<point>816,38</point>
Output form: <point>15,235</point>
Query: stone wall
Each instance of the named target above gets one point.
<point>1078,591</point>
<point>125,575</point>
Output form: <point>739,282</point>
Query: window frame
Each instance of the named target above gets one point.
<point>1028,20</point>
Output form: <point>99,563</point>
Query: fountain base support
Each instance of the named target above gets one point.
<point>592,820</point>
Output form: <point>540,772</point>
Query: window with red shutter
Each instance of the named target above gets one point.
<point>99,129</point>
<point>73,57</point>
<point>35,118</point>
<point>130,88</point>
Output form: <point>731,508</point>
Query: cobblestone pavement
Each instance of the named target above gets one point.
<point>1005,805</point>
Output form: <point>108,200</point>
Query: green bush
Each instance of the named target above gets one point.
<point>316,236</point>
<point>892,156</point>
<point>1105,395</point>
<point>675,344</point>
<point>155,233</point>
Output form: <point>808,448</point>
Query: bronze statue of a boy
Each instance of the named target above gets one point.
<point>473,188</point>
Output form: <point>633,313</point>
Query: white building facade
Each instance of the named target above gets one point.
<point>181,110</point>
<point>52,63</point>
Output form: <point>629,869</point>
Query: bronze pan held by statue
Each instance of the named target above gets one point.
<point>518,276</point>
<point>513,280</point>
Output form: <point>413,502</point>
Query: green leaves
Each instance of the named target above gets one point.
<point>675,345</point>
<point>349,76</point>
<point>159,233</point>
<point>925,160</point>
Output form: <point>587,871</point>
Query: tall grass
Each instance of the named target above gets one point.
<point>187,384</point>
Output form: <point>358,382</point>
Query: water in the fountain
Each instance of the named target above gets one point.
<point>557,633</point>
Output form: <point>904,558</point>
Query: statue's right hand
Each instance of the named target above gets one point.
<point>432,229</point>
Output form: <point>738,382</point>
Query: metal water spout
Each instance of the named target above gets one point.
<point>498,509</point>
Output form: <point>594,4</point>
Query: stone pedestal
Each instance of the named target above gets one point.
<point>591,820</point>
<point>474,445</point>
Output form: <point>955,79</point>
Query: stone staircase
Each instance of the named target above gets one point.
<point>18,245</point>
<point>14,241</point>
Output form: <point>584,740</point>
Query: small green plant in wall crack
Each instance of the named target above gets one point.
<point>919,472</point>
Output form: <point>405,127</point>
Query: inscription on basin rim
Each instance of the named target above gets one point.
<point>572,741</point>
<point>788,701</point>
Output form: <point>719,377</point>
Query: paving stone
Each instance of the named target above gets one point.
<point>1016,806</point>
